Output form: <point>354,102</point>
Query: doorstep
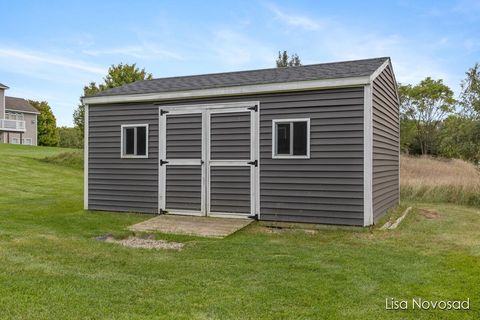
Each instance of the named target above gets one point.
<point>192,225</point>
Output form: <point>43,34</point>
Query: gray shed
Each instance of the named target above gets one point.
<point>314,144</point>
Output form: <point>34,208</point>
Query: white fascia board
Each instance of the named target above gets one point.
<point>229,91</point>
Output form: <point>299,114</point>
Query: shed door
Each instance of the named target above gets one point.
<point>232,162</point>
<point>181,165</point>
<point>209,160</point>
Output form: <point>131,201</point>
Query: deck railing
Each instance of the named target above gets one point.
<point>12,125</point>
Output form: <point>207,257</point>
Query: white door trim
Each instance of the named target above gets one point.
<point>206,110</point>
<point>162,171</point>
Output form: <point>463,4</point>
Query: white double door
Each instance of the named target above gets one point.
<point>209,159</point>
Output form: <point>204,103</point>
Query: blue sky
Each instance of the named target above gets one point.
<point>50,49</point>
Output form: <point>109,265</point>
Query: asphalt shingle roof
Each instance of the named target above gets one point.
<point>333,70</point>
<point>19,104</point>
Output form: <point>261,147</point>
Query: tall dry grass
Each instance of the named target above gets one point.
<point>439,180</point>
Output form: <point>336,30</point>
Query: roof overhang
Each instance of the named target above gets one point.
<point>232,91</point>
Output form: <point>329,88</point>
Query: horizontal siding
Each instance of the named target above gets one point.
<point>117,184</point>
<point>328,188</point>
<point>386,137</point>
<point>230,189</point>
<point>183,188</point>
<point>184,136</point>
<point>230,135</point>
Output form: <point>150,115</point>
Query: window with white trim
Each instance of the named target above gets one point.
<point>134,141</point>
<point>291,139</point>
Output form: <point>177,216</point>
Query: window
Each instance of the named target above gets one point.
<point>291,139</point>
<point>134,141</point>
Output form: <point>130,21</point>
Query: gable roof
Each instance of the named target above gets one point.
<point>3,86</point>
<point>323,71</point>
<point>19,104</point>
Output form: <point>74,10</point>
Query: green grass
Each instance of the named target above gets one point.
<point>441,194</point>
<point>52,268</point>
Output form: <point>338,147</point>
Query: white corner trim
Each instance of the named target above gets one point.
<point>125,156</point>
<point>274,139</point>
<point>228,91</point>
<point>85,159</point>
<point>368,157</point>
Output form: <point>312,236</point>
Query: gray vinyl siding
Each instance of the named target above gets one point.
<point>230,189</point>
<point>230,136</point>
<point>183,187</point>
<point>327,188</point>
<point>184,136</point>
<point>117,184</point>
<point>386,137</point>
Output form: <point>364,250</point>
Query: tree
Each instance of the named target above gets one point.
<point>459,138</point>
<point>284,60</point>
<point>69,138</point>
<point>46,124</point>
<point>117,75</point>
<point>426,104</point>
<point>470,94</point>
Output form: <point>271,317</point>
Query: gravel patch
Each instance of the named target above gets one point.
<point>145,243</point>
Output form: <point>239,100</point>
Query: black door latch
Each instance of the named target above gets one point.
<point>253,163</point>
<point>162,162</point>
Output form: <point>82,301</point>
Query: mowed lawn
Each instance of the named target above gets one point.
<point>51,267</point>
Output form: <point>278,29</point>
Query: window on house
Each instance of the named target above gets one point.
<point>291,138</point>
<point>135,141</point>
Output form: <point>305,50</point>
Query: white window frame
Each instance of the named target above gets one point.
<point>274,139</point>
<point>14,140</point>
<point>122,145</point>
<point>24,141</point>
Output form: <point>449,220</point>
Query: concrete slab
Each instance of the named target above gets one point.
<point>190,225</point>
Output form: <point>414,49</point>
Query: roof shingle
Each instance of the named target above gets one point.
<point>19,104</point>
<point>333,70</point>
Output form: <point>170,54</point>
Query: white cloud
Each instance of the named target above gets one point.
<point>46,59</point>
<point>144,51</point>
<point>293,20</point>
<point>235,49</point>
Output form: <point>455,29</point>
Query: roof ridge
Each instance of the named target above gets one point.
<point>264,69</point>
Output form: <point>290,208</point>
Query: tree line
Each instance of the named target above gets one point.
<point>432,120</point>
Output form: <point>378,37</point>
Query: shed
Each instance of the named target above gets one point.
<point>313,144</point>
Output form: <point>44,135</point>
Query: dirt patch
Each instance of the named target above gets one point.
<point>429,214</point>
<point>143,242</point>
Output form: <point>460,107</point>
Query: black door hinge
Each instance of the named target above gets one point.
<point>162,162</point>
<point>254,108</point>
<point>253,163</point>
<point>162,112</point>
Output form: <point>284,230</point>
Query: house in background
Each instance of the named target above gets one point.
<point>315,143</point>
<point>18,120</point>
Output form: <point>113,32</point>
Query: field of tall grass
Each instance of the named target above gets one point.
<point>429,179</point>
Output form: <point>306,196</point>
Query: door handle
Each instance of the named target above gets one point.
<point>253,163</point>
<point>162,162</point>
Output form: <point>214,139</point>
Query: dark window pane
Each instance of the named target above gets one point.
<point>283,138</point>
<point>129,137</point>
<point>141,141</point>
<point>300,138</point>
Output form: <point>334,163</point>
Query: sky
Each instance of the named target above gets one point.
<point>50,49</point>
